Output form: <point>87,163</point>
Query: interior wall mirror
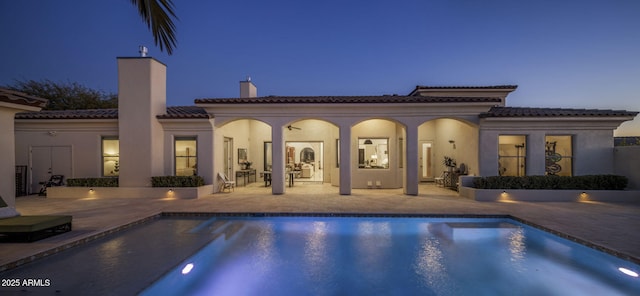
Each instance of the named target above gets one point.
<point>242,155</point>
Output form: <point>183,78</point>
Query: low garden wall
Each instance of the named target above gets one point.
<point>178,187</point>
<point>545,195</point>
<point>129,192</point>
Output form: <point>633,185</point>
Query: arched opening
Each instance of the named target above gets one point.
<point>378,154</point>
<point>242,154</point>
<point>448,148</point>
<point>310,151</point>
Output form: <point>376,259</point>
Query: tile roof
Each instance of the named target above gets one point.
<point>16,97</point>
<point>552,112</point>
<point>416,91</point>
<point>71,114</point>
<point>348,100</point>
<point>112,113</point>
<point>507,86</point>
<point>178,112</point>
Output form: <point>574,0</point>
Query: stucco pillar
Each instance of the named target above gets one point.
<point>488,153</point>
<point>12,102</point>
<point>7,159</point>
<point>535,161</point>
<point>277,156</point>
<point>141,97</point>
<point>207,160</point>
<point>411,176</point>
<point>345,159</point>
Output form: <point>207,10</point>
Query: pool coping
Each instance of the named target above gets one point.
<point>113,230</point>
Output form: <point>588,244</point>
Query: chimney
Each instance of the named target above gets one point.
<point>141,97</point>
<point>248,89</point>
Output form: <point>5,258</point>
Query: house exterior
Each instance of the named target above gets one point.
<point>12,102</point>
<point>389,141</point>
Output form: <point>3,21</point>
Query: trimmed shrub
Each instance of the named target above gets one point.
<point>587,182</point>
<point>177,181</point>
<point>93,182</point>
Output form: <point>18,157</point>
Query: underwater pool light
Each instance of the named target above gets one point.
<point>628,272</point>
<point>187,268</point>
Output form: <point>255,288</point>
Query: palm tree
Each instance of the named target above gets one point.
<point>157,15</point>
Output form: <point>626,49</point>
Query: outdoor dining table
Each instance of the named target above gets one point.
<point>267,178</point>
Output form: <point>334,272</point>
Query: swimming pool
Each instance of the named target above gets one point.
<point>391,256</point>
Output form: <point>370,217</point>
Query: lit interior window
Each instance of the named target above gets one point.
<point>373,153</point>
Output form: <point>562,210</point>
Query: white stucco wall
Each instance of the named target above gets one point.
<point>202,130</point>
<point>7,162</point>
<point>84,137</point>
<point>592,143</point>
<point>626,163</point>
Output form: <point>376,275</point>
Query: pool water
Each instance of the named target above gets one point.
<point>391,256</point>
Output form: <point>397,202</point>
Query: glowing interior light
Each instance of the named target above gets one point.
<point>628,272</point>
<point>187,268</point>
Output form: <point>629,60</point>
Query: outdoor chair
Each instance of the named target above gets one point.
<point>225,183</point>
<point>439,180</point>
<point>55,180</point>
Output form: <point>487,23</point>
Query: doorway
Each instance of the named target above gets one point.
<point>306,159</point>
<point>46,161</point>
<point>426,161</point>
<point>228,158</point>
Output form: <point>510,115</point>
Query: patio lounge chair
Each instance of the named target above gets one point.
<point>30,228</point>
<point>225,183</point>
<point>55,180</point>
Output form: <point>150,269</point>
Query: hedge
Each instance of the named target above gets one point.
<point>177,181</point>
<point>93,182</point>
<point>587,182</point>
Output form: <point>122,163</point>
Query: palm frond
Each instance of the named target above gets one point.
<point>158,14</point>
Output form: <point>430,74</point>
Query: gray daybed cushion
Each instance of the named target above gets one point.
<point>8,212</point>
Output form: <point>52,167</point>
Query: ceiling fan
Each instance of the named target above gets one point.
<point>291,127</point>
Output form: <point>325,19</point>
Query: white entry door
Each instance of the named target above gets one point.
<point>47,161</point>
<point>426,161</point>
<point>228,158</point>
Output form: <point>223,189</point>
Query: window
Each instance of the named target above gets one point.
<point>110,156</point>
<point>186,156</point>
<point>373,153</point>
<point>337,153</point>
<point>512,151</point>
<point>267,156</point>
<point>558,155</point>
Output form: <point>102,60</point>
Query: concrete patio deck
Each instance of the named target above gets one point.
<point>612,226</point>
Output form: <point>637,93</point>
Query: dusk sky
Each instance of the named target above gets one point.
<point>560,53</point>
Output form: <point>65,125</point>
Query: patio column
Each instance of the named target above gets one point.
<point>535,161</point>
<point>411,177</point>
<point>345,159</point>
<point>277,156</point>
<point>488,153</point>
